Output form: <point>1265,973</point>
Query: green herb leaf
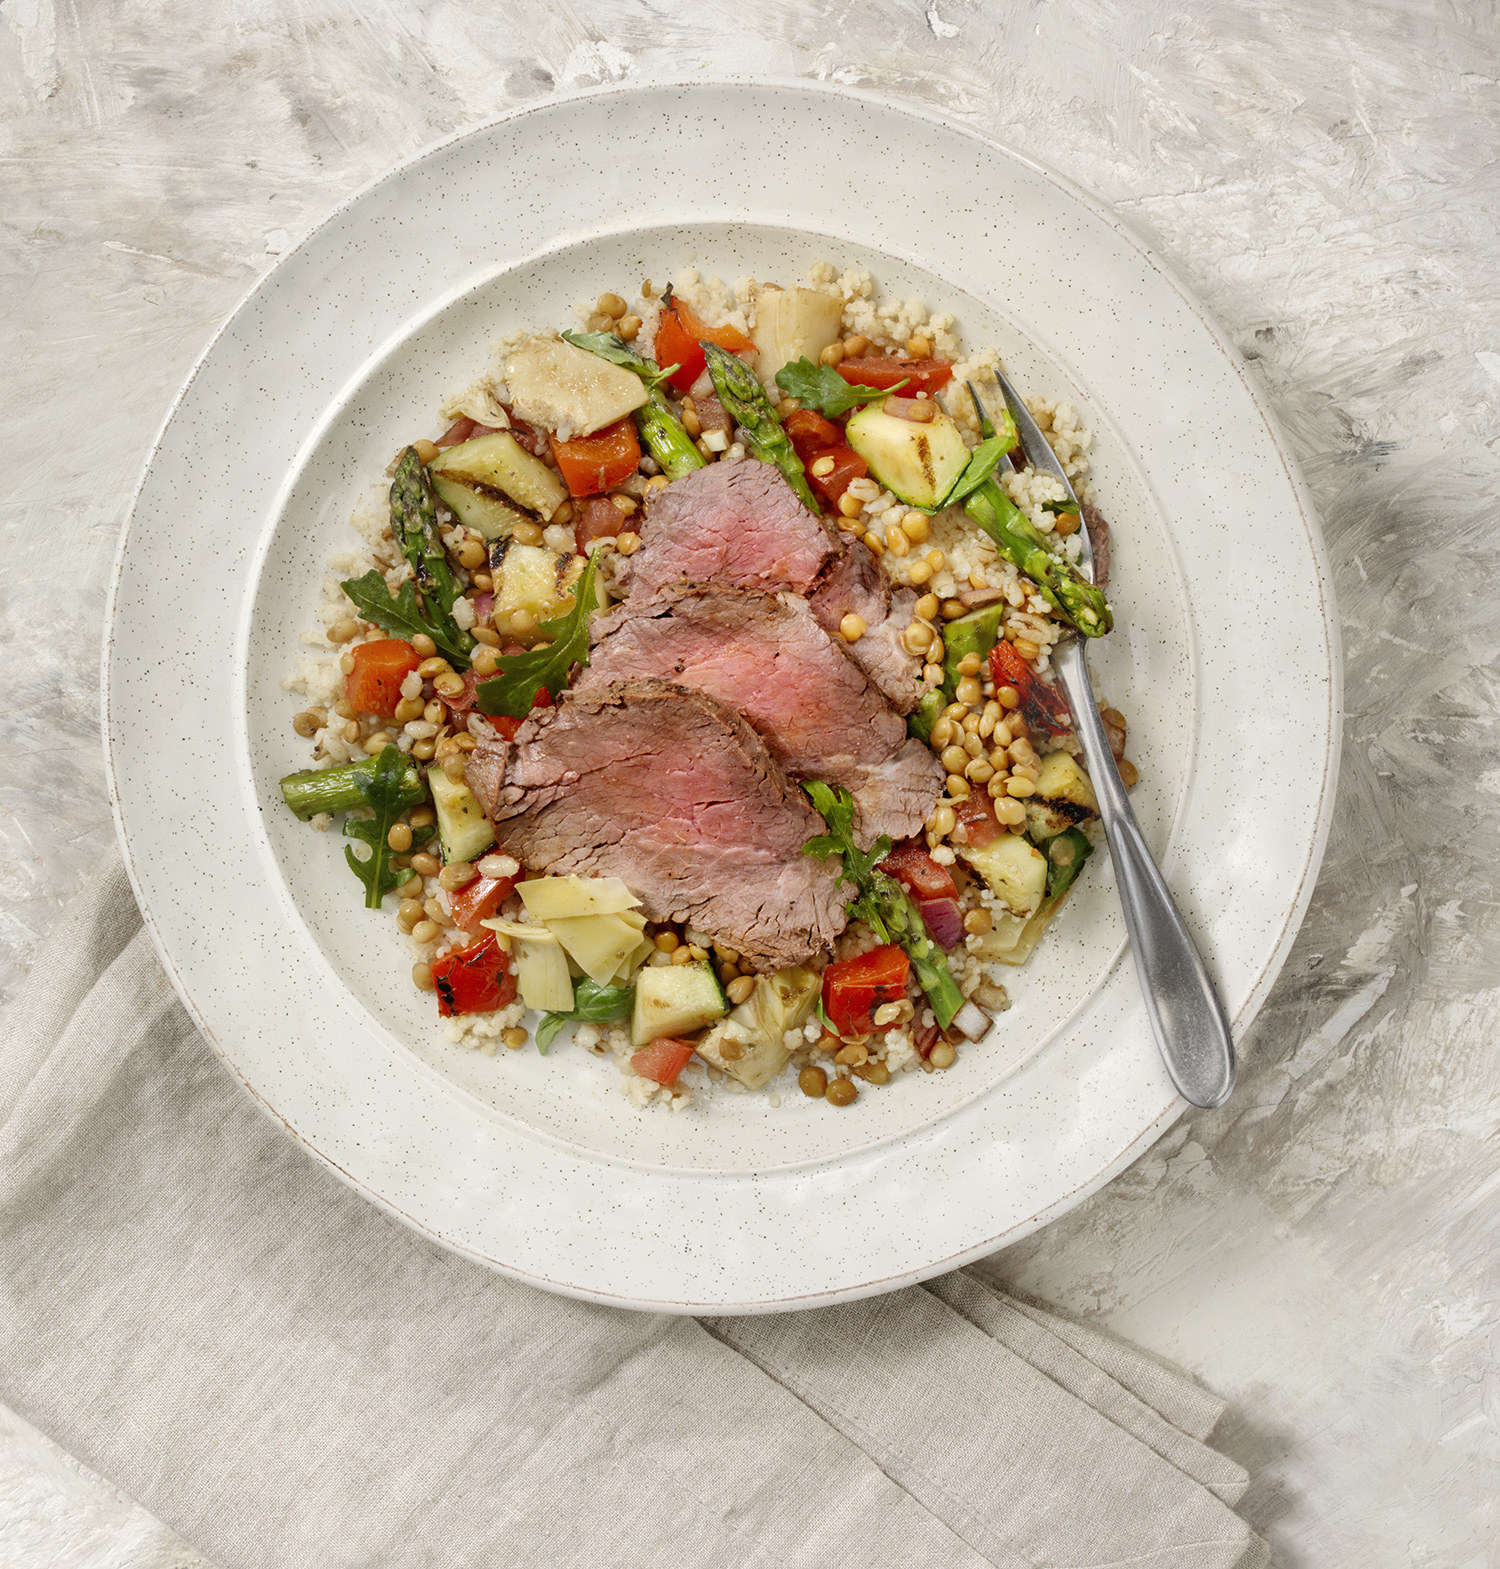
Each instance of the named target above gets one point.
<point>592,1004</point>
<point>610,346</point>
<point>387,792</point>
<point>401,615</point>
<point>519,677</point>
<point>821,387</point>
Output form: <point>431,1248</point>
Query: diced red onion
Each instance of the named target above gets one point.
<point>484,605</point>
<point>944,921</point>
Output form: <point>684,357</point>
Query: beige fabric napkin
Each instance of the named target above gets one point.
<point>199,1311</point>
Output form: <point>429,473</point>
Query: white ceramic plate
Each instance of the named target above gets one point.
<point>539,1166</point>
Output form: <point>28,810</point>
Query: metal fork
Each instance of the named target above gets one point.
<point>1186,1016</point>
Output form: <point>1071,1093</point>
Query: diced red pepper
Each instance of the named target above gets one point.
<point>476,979</point>
<point>679,341</point>
<point>507,726</point>
<point>479,899</point>
<point>810,433</point>
<point>663,1059</point>
<point>854,988</point>
<point>591,464</point>
<point>598,518</point>
<point>847,466</point>
<point>373,686</point>
<point>975,815</point>
<point>920,375</point>
<point>918,873</point>
<point>1043,705</point>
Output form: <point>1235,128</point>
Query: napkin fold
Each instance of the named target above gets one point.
<point>198,1310</point>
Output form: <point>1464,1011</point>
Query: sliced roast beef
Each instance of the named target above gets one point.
<point>735,524</point>
<point>1098,527</point>
<point>856,582</point>
<point>812,704</point>
<point>675,794</point>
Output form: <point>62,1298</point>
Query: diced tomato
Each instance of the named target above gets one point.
<point>679,342</point>
<point>534,440</point>
<point>507,726</point>
<point>663,1059</point>
<point>479,899</point>
<point>476,979</point>
<point>854,988</point>
<point>712,415</point>
<point>1044,707</point>
<point>373,686</point>
<point>810,433</point>
<point>591,464</point>
<point>918,873</point>
<point>847,466</point>
<point>598,518</point>
<point>920,375</point>
<point>975,815</point>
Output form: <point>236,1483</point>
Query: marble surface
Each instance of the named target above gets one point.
<point>1323,1251</point>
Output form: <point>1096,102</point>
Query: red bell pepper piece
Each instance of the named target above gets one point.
<point>663,1059</point>
<point>479,899</point>
<point>854,988</point>
<point>1043,705</point>
<point>373,686</point>
<point>920,375</point>
<point>679,341</point>
<point>918,873</point>
<point>810,433</point>
<point>591,464</point>
<point>476,979</point>
<point>847,466</point>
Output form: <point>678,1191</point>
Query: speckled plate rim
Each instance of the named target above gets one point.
<point>1141,1134</point>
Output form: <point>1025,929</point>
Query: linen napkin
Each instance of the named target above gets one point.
<point>199,1311</point>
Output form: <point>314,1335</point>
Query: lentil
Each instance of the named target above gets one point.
<point>424,646</point>
<point>472,554</point>
<point>852,1055</point>
<point>528,534</point>
<point>426,864</point>
<point>611,305</point>
<point>425,931</point>
<point>627,542</point>
<point>740,988</point>
<point>515,1037</point>
<point>832,354</point>
<point>917,527</point>
<point>630,324</point>
<point>942,1055</point>
<point>874,1073</point>
<point>343,631</point>
<point>927,606</point>
<point>812,1082</point>
<point>918,572</point>
<point>434,666</point>
<point>455,875</point>
<point>421,975</point>
<point>855,345</point>
<point>842,1092</point>
<point>850,506</point>
<point>874,544</point>
<point>1129,773</point>
<point>307,724</point>
<point>1026,648</point>
<point>399,837</point>
<point>667,941</point>
<point>410,911</point>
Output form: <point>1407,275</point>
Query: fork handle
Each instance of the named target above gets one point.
<point>1186,1016</point>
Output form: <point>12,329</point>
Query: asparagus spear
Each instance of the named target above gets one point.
<point>342,789</point>
<point>414,523</point>
<point>1080,603</point>
<point>659,427</point>
<point>740,392</point>
<point>881,902</point>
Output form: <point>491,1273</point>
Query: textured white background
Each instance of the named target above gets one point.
<point>1324,1251</point>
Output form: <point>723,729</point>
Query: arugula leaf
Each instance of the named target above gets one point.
<point>519,677</point>
<point>610,346</point>
<point>387,792</point>
<point>821,387</point>
<point>880,901</point>
<point>983,462</point>
<point>592,1003</point>
<point>400,614</point>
